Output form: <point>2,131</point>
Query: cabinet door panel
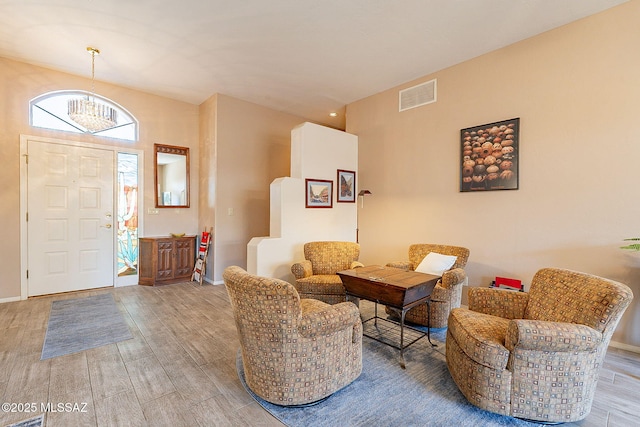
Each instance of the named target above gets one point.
<point>184,257</point>
<point>165,260</point>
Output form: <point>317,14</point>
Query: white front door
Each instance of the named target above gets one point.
<point>70,218</point>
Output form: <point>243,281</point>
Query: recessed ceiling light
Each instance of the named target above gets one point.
<point>333,114</point>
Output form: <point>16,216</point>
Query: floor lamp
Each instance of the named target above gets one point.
<point>361,194</point>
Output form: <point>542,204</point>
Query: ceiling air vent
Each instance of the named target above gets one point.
<point>416,96</point>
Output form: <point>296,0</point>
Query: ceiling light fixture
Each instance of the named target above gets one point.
<point>88,113</point>
<point>333,114</point>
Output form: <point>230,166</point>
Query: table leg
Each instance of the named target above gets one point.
<point>375,315</point>
<point>429,324</point>
<point>402,364</point>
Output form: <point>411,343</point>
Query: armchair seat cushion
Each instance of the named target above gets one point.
<point>481,337</point>
<point>315,276</point>
<point>321,284</point>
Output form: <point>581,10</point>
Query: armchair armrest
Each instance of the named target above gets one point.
<point>498,302</point>
<point>321,321</point>
<point>302,269</point>
<point>453,277</point>
<point>446,288</point>
<point>356,264</point>
<point>405,265</point>
<point>539,335</point>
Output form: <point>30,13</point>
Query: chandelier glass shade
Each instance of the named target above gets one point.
<point>91,115</point>
<point>87,112</point>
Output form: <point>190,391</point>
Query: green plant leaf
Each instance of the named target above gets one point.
<point>634,247</point>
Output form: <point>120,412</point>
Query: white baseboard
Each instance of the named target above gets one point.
<point>11,299</point>
<point>212,282</point>
<point>623,346</point>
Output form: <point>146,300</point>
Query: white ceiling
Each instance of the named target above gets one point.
<point>305,57</point>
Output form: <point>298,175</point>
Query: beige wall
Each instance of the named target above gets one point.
<point>207,178</point>
<point>252,148</point>
<point>161,121</point>
<point>576,92</point>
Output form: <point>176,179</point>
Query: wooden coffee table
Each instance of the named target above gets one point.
<point>401,290</point>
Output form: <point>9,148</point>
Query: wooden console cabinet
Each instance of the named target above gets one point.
<point>165,260</point>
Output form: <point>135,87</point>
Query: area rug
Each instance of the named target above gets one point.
<point>31,422</point>
<point>83,323</point>
<point>386,395</point>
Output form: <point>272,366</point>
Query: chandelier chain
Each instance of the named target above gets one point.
<point>93,73</point>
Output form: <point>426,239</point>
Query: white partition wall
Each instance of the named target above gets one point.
<point>317,152</point>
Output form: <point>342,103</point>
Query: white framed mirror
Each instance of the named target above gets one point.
<point>171,176</point>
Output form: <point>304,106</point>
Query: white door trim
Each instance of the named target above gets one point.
<point>24,250</point>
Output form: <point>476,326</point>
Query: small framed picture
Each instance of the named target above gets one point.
<point>319,193</point>
<point>346,186</point>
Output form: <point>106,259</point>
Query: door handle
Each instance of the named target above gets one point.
<point>107,226</point>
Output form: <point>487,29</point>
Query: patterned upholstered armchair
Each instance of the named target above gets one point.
<point>448,292</point>
<point>293,351</point>
<point>316,276</point>
<point>535,355</point>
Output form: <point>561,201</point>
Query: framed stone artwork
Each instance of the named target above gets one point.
<point>489,156</point>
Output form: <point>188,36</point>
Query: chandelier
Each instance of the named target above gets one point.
<point>88,113</point>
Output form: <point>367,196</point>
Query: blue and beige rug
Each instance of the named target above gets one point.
<point>31,422</point>
<point>83,323</point>
<point>386,395</point>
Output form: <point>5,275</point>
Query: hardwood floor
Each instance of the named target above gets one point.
<point>179,369</point>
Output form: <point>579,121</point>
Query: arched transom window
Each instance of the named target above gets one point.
<point>51,111</point>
